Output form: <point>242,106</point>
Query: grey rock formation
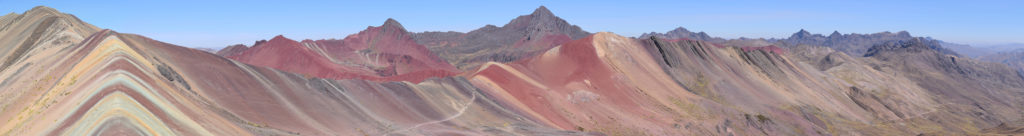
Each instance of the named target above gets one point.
<point>681,32</point>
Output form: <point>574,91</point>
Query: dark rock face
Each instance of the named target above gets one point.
<point>682,33</point>
<point>172,76</point>
<point>852,44</point>
<point>766,60</point>
<point>527,35</point>
<point>912,45</point>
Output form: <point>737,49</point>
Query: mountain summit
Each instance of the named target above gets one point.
<point>526,35</point>
<point>393,24</point>
<point>542,12</point>
<point>835,34</point>
<point>802,34</point>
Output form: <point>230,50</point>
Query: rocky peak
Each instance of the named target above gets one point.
<point>680,30</point>
<point>835,34</point>
<point>542,12</point>
<point>801,34</point>
<point>281,40</point>
<point>540,17</point>
<point>542,22</point>
<point>392,24</point>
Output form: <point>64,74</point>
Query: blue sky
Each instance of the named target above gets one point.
<point>215,24</point>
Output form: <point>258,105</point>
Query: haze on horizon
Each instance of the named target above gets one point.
<point>215,24</point>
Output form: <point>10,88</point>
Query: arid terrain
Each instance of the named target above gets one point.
<point>536,75</point>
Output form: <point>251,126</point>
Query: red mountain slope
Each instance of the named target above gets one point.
<point>384,53</point>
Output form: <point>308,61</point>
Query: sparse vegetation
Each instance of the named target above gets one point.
<point>261,125</point>
<point>762,118</point>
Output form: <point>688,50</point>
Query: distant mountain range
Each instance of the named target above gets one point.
<point>1013,58</point>
<point>536,75</point>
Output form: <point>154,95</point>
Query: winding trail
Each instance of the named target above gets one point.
<point>461,111</point>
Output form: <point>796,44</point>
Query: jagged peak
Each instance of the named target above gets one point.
<point>835,34</point>
<point>542,11</point>
<point>543,20</point>
<point>800,34</point>
<point>916,44</point>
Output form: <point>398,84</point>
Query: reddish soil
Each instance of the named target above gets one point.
<point>384,53</point>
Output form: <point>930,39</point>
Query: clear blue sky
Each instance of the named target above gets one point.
<point>215,24</point>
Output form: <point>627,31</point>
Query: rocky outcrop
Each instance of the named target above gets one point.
<point>913,45</point>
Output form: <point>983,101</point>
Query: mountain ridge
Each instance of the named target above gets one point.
<point>381,53</point>
<point>77,80</point>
